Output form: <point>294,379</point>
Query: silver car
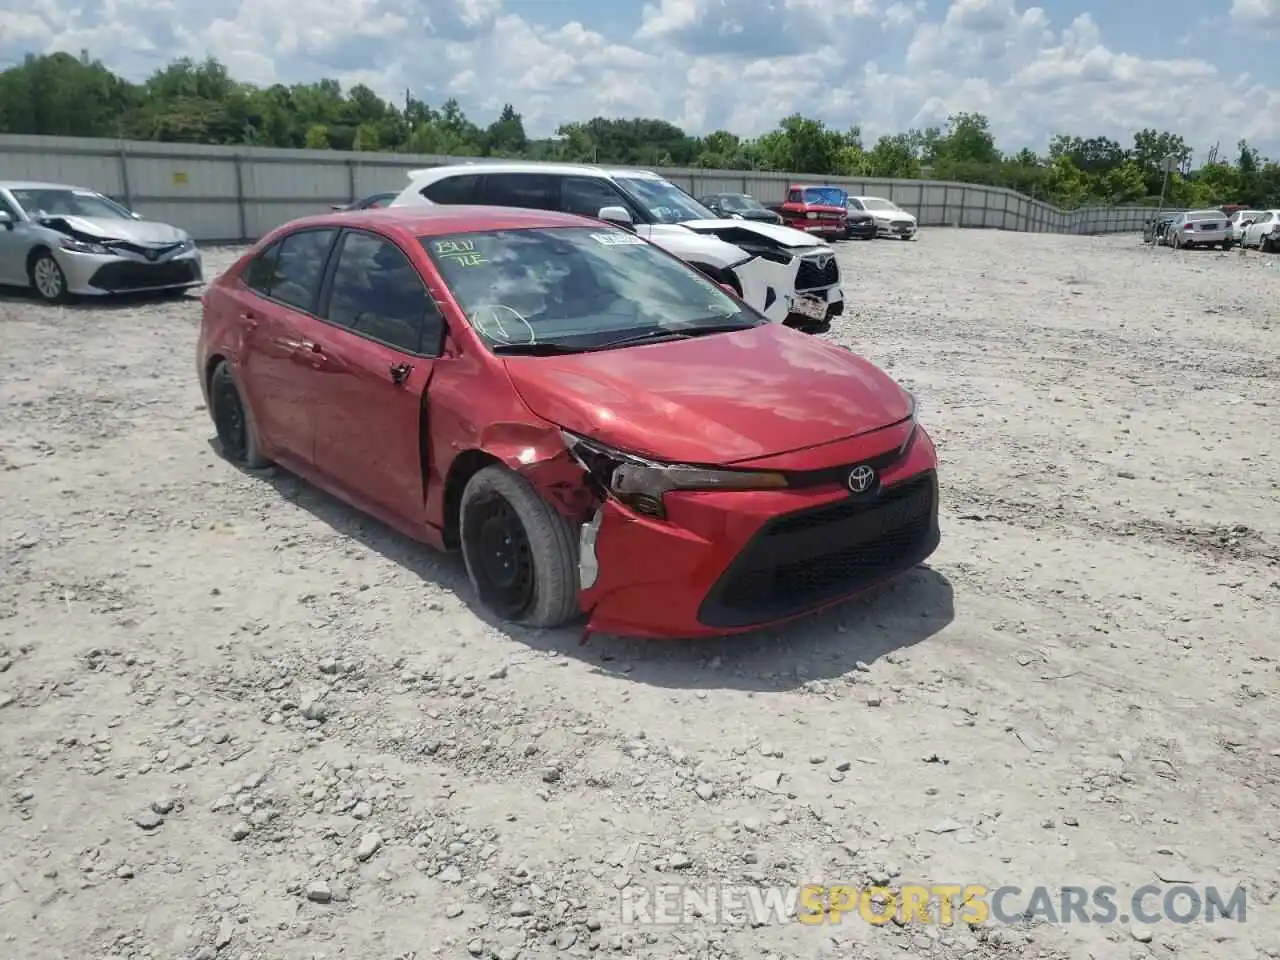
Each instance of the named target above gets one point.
<point>68,241</point>
<point>1199,228</point>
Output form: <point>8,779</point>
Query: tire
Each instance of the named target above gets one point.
<point>47,278</point>
<point>231,418</point>
<point>521,554</point>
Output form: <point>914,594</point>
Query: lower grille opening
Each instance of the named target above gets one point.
<point>128,275</point>
<point>803,560</point>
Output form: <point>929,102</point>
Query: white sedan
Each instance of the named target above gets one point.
<point>1262,230</point>
<point>1199,228</point>
<point>1239,220</point>
<point>891,220</point>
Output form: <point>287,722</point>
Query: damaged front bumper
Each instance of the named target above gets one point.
<point>725,562</point>
<point>111,267</point>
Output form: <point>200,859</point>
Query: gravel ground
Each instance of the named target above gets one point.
<point>239,720</point>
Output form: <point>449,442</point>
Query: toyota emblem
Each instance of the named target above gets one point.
<point>151,254</point>
<point>861,478</point>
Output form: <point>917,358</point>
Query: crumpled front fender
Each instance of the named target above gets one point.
<point>758,275</point>
<point>540,456</point>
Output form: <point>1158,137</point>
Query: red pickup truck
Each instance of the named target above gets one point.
<point>815,209</point>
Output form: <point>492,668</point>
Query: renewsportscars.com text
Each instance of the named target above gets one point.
<point>942,904</point>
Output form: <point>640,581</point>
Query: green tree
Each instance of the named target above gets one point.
<point>198,101</point>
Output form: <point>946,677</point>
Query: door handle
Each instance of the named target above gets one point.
<point>400,372</point>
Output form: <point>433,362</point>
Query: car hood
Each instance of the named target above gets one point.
<point>718,399</point>
<point>786,236</point>
<point>104,228</point>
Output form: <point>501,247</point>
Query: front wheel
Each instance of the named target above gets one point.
<point>47,278</point>
<point>520,553</point>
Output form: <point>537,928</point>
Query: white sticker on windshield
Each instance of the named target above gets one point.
<point>618,239</point>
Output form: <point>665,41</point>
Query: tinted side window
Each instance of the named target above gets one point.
<point>460,189</point>
<point>377,292</point>
<point>793,197</point>
<point>261,270</point>
<point>537,191</point>
<point>586,195</point>
<point>300,266</point>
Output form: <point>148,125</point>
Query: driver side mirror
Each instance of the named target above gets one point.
<point>729,290</point>
<point>6,219</point>
<point>619,216</point>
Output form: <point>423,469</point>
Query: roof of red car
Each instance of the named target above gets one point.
<point>429,221</point>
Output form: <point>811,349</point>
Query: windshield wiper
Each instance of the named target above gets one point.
<point>657,336</point>
<point>542,349</point>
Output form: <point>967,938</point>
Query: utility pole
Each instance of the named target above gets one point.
<point>1169,164</point>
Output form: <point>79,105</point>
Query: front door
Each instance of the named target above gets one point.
<point>277,303</point>
<point>15,242</point>
<point>383,335</point>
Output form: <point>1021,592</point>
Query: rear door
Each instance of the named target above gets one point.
<point>276,299</point>
<point>529,191</point>
<point>383,334</point>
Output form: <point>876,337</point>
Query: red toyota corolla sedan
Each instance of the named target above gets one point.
<point>599,428</point>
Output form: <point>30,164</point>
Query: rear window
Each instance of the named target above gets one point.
<point>1207,215</point>
<point>829,196</point>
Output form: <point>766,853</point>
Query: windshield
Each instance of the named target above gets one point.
<point>734,201</point>
<point>68,203</point>
<point>875,203</point>
<point>826,196</point>
<point>577,288</point>
<point>665,202</point>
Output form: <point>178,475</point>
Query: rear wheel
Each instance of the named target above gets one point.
<point>232,421</point>
<point>521,554</point>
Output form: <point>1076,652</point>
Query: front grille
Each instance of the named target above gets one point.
<point>810,276</point>
<point>829,476</point>
<point>151,252</point>
<point>806,559</point>
<point>128,275</point>
<point>829,216</point>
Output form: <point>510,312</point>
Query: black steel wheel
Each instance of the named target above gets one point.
<point>521,554</point>
<point>504,557</point>
<point>231,420</point>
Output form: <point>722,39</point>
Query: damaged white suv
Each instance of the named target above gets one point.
<point>788,275</point>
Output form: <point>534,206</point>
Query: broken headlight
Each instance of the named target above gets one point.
<point>640,483</point>
<point>81,246</point>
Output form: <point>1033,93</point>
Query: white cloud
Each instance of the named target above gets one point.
<point>885,65</point>
<point>1257,13</point>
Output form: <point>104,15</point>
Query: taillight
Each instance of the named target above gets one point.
<point>1188,226</point>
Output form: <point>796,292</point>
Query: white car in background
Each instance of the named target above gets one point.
<point>1236,223</point>
<point>1199,228</point>
<point>788,275</point>
<point>1262,230</point>
<point>891,220</point>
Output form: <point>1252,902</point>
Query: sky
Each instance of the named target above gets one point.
<point>1206,69</point>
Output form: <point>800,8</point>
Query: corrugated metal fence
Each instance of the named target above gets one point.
<point>239,193</point>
